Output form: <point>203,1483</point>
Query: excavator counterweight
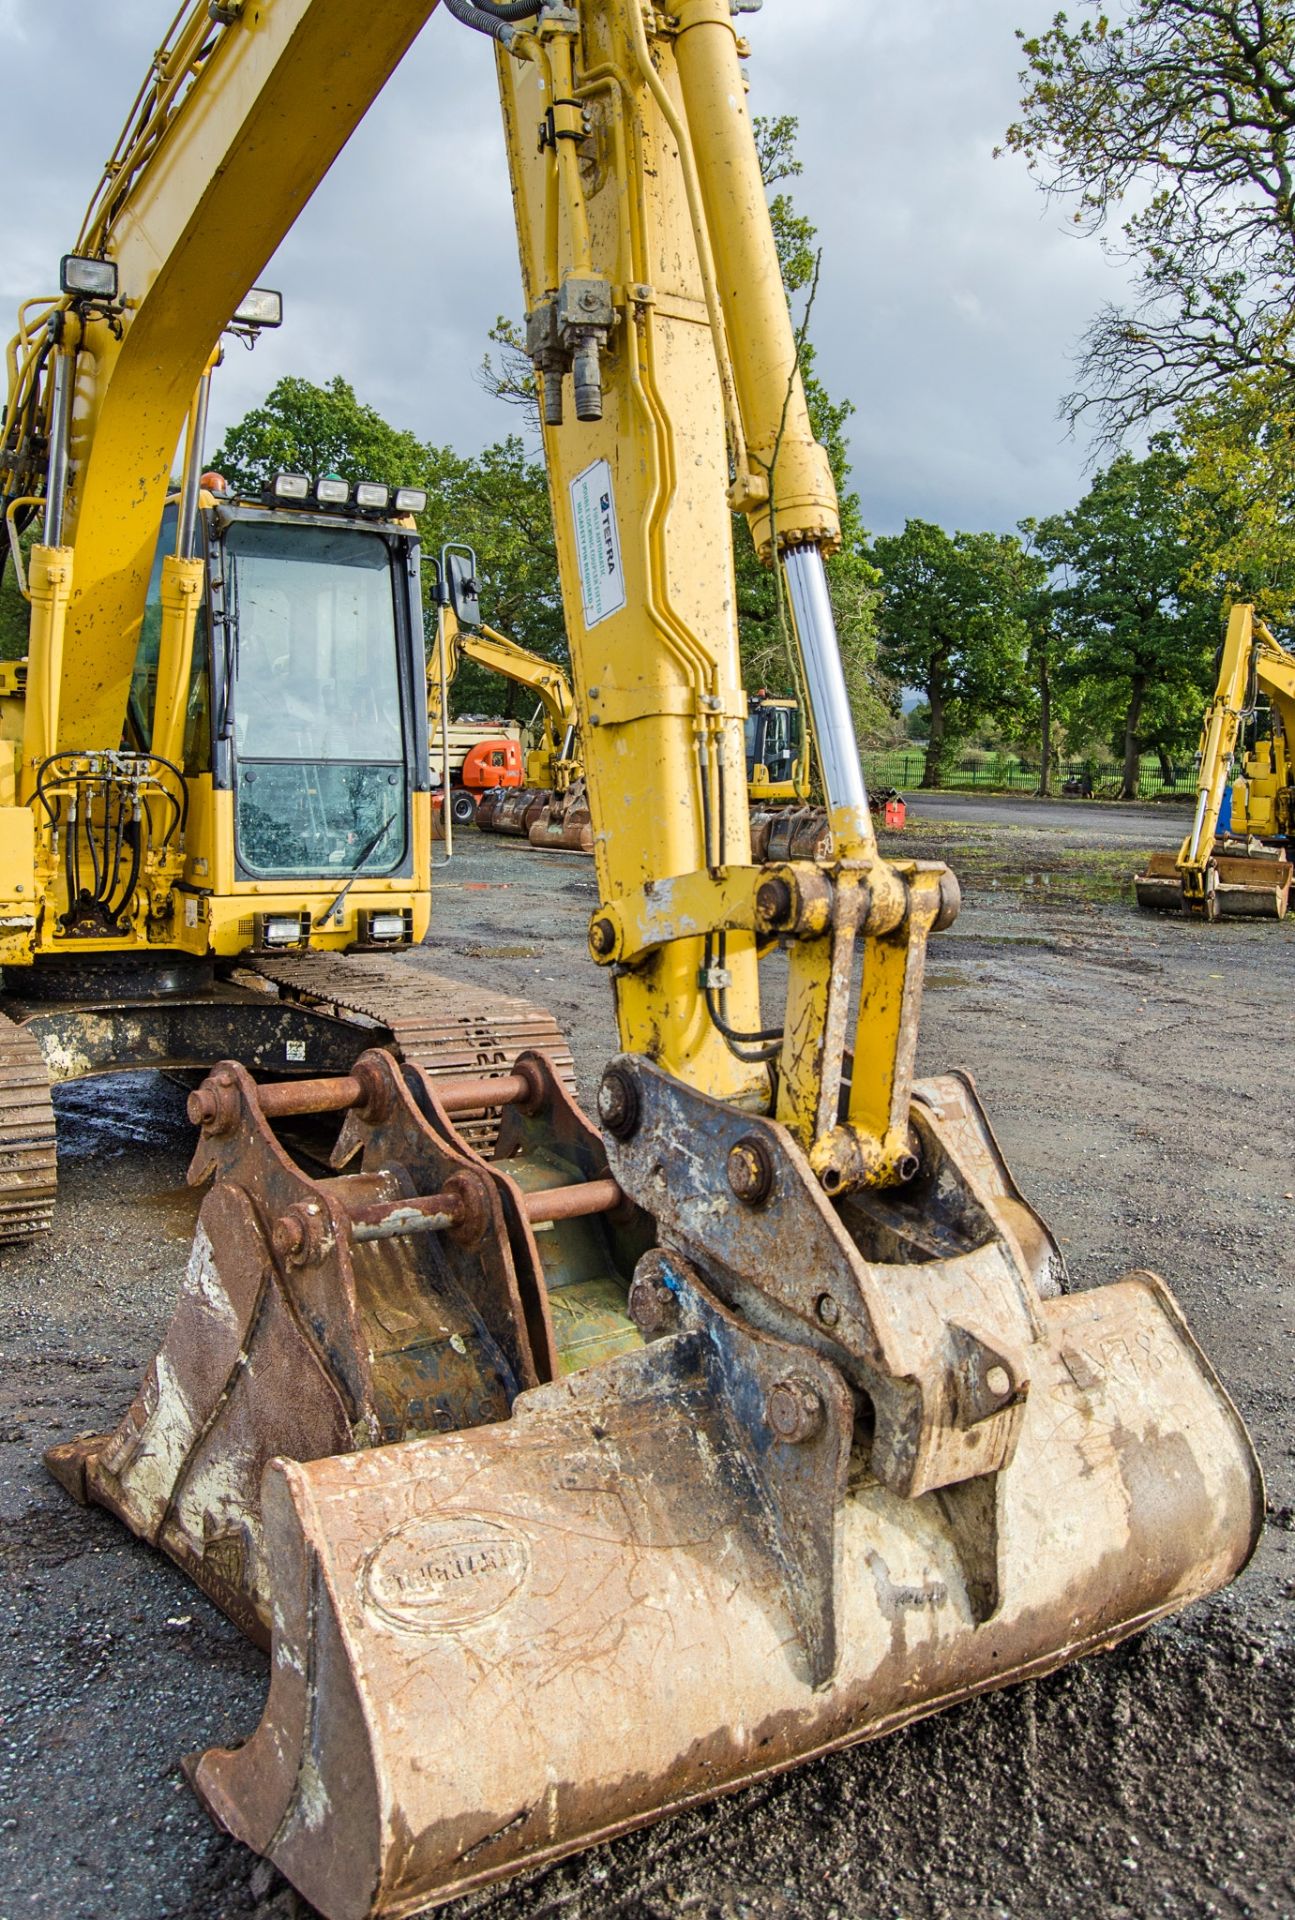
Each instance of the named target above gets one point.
<point>578,1469</point>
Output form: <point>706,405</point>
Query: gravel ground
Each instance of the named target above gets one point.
<point>1135,1073</point>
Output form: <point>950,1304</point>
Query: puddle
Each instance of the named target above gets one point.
<point>946,977</point>
<point>104,1116</point>
<point>175,1209</point>
<point>500,953</point>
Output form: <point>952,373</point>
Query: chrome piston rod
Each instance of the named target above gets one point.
<point>820,653</point>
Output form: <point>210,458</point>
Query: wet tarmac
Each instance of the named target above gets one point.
<point>1137,1073</point>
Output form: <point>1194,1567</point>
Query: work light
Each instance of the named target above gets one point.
<point>411,499</point>
<point>281,929</point>
<point>94,279</point>
<point>291,486</point>
<point>262,308</point>
<point>332,491</point>
<point>370,495</point>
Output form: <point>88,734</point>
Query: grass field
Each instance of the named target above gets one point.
<point>903,767</point>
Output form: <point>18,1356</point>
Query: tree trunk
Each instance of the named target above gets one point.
<point>1045,728</point>
<point>933,771</point>
<point>1132,743</point>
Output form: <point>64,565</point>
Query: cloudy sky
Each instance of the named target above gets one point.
<point>951,298</point>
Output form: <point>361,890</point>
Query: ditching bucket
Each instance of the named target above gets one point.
<point>510,810</point>
<point>497,1647</point>
<point>817,1469</point>
<point>1159,886</point>
<point>564,822</point>
<point>418,1294</point>
<point>1235,884</point>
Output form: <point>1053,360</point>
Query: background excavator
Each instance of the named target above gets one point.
<point>541,797</point>
<point>539,794</point>
<point>593,1476</point>
<point>546,803</point>
<point>214,787</point>
<point>1236,858</point>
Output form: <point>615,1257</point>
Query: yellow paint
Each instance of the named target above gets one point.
<point>182,588</point>
<point>545,764</point>
<point>1263,801</point>
<point>49,590</point>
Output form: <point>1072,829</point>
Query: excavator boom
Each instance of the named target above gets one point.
<point>240,120</point>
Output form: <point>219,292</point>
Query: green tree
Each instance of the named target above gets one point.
<point>1141,640</point>
<point>1237,493</point>
<point>319,430</point>
<point>1047,651</point>
<point>1185,111</point>
<point>496,503</point>
<point>953,624</point>
<point>15,614</point>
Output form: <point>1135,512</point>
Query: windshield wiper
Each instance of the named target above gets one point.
<point>229,662</point>
<point>354,874</point>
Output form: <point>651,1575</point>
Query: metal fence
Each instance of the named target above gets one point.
<point>903,767</point>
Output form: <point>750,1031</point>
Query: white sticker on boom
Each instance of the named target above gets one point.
<point>598,543</point>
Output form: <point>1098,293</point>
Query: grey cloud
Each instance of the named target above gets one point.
<point>950,298</point>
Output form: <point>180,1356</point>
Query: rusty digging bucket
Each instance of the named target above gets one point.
<point>511,810</point>
<point>1237,883</point>
<point>789,833</point>
<point>584,1483</point>
<point>565,822</point>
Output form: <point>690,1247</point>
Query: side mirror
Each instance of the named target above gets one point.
<point>459,568</point>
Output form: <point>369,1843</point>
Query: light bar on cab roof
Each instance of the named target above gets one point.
<point>411,499</point>
<point>371,496</point>
<point>291,486</point>
<point>332,491</point>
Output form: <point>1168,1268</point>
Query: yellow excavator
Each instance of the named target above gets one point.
<point>657,1450</point>
<point>214,785</point>
<point>544,800</point>
<point>778,751</point>
<point>551,758</point>
<point>548,805</point>
<point>1242,870</point>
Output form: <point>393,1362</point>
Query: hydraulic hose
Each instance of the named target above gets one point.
<point>484,17</point>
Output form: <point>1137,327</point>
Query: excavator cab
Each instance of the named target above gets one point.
<point>301,736</point>
<point>773,747</point>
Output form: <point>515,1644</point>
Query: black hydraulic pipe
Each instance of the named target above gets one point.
<point>484,19</point>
